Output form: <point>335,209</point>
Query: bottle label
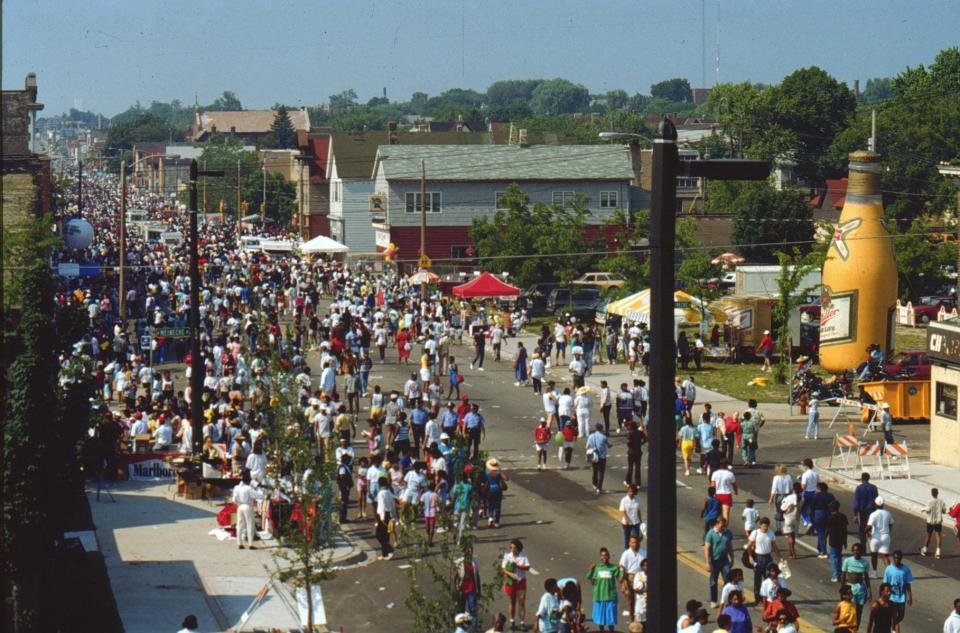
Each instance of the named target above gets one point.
<point>838,316</point>
<point>840,235</point>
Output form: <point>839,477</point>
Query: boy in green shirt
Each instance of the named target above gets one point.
<point>605,578</point>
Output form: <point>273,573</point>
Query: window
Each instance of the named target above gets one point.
<point>336,191</point>
<point>608,200</point>
<point>563,197</point>
<point>464,251</point>
<point>688,183</point>
<point>433,202</point>
<point>498,200</point>
<point>947,401</point>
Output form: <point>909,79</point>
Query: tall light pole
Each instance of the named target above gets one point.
<point>662,487</point>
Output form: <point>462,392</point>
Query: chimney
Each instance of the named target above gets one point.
<point>459,123</point>
<point>392,133</point>
<point>523,138</point>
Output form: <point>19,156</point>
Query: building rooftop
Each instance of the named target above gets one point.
<point>506,162</point>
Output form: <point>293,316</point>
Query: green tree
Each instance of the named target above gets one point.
<point>343,101</point>
<point>226,156</point>
<point>764,217</point>
<point>510,91</point>
<point>463,99</point>
<point>282,134</point>
<point>877,89</point>
<point>418,102</point>
<point>617,99</point>
<point>676,89</point>
<point>29,529</point>
<point>145,128</point>
<point>916,130</point>
<point>559,96</point>
<point>630,236</point>
<point>793,268</point>
<point>695,270</point>
<point>227,102</point>
<point>524,241</point>
<point>812,108</point>
<point>920,260</point>
<point>303,559</point>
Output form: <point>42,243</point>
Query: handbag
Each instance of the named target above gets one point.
<point>459,378</point>
<point>591,455</point>
<point>746,559</point>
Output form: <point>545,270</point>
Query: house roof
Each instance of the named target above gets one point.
<point>355,153</point>
<point>247,121</point>
<point>506,162</point>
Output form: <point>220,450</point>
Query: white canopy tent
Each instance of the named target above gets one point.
<point>323,244</point>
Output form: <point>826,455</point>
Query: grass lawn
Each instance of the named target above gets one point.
<point>910,338</point>
<point>732,380</point>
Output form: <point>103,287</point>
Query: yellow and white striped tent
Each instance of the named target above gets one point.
<point>636,307</point>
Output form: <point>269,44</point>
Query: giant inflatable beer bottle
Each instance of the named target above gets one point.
<point>859,275</point>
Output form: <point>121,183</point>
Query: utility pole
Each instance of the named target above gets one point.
<point>662,490</point>
<point>238,203</point>
<point>424,262</point>
<point>196,361</point>
<point>123,243</point>
<point>872,145</point>
<point>263,203</point>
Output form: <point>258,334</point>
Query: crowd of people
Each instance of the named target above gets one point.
<point>412,453</point>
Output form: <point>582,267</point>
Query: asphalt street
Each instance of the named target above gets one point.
<point>563,523</point>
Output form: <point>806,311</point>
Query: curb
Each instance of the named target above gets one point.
<point>850,483</point>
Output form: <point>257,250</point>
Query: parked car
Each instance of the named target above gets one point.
<point>578,301</point>
<point>728,280</point>
<point>603,280</point>
<point>535,297</point>
<point>926,312</point>
<point>914,363</point>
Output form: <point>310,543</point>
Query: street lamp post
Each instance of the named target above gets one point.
<point>662,488</point>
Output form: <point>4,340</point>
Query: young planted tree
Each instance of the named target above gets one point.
<point>794,268</point>
<point>304,556</point>
<point>434,596</point>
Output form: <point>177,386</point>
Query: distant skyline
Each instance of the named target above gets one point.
<point>104,56</point>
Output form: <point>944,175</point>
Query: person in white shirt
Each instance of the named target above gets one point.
<point>163,436</point>
<point>933,511</point>
<point>496,338</point>
<point>725,483</point>
<point>879,530</point>
<point>257,463</point>
<point>630,515</point>
<point>582,405</point>
<point>550,400</point>
<point>952,623</point>
<point>565,407</point>
<point>386,510</point>
<point>140,427</point>
<point>243,496</point>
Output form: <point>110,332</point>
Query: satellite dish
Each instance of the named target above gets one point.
<point>78,233</point>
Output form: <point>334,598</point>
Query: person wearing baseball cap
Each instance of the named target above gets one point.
<point>886,422</point>
<point>879,531</point>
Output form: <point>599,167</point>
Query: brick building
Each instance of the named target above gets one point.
<point>26,175</point>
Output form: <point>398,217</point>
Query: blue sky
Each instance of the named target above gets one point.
<point>105,55</point>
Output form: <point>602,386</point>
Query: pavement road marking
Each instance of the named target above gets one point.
<point>697,565</point>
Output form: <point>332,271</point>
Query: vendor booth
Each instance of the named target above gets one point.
<point>323,244</point>
<point>687,309</point>
<point>485,285</point>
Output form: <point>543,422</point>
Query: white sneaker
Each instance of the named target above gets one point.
<point>874,574</point>
<point>471,365</point>
<point>699,471</point>
<point>937,554</point>
<point>923,551</point>
<point>713,605</point>
<point>481,369</point>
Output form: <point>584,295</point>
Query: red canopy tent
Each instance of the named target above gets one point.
<point>485,285</point>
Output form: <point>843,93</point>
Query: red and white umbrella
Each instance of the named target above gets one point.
<point>727,258</point>
<point>423,276</point>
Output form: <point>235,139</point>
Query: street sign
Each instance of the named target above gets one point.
<point>424,262</point>
<point>172,332</point>
<point>145,342</point>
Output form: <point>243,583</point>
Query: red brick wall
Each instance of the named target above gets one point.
<point>439,241</point>
<point>318,225</point>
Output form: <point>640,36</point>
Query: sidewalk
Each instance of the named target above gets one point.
<point>909,495</point>
<point>164,564</point>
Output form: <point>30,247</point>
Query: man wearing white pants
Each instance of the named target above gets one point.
<point>243,496</point>
<point>582,406</point>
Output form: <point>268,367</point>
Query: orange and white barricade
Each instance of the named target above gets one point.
<point>896,459</point>
<point>873,451</point>
<point>845,447</point>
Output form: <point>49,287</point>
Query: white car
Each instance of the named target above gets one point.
<point>603,280</point>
